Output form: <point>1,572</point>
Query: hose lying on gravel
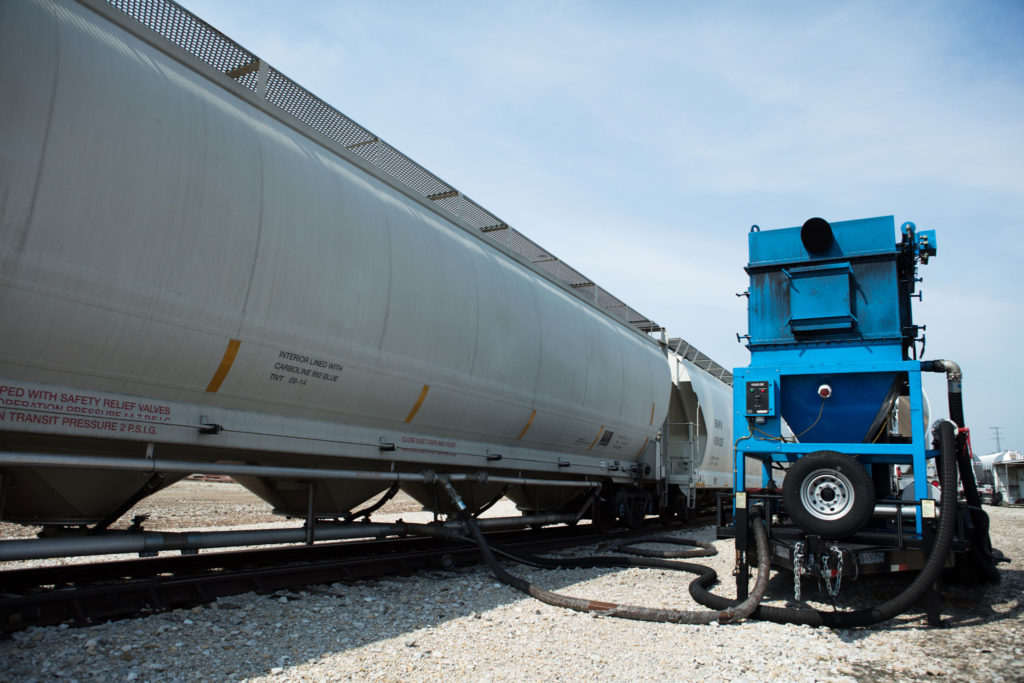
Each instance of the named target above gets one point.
<point>726,610</point>
<point>730,613</point>
<point>702,548</point>
<point>895,605</point>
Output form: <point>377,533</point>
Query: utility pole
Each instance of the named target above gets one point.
<point>999,446</point>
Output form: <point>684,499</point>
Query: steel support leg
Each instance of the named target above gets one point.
<point>933,598</point>
<point>742,570</point>
<point>311,514</point>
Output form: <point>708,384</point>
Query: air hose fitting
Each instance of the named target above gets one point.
<point>954,386</point>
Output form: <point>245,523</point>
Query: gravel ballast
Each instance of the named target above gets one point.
<point>464,625</point>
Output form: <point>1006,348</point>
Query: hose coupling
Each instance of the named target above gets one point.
<point>952,370</point>
<point>453,494</point>
<point>937,425</point>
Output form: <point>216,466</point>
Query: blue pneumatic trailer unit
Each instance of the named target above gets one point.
<point>831,406</point>
<point>832,346</point>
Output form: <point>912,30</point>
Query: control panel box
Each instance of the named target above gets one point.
<point>760,399</point>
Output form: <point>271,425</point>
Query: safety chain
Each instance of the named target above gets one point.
<point>833,590</point>
<point>798,568</point>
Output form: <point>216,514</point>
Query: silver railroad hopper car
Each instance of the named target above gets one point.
<point>203,264</point>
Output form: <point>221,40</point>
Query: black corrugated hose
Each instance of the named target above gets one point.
<point>982,558</point>
<point>701,548</point>
<point>728,613</point>
<point>946,437</point>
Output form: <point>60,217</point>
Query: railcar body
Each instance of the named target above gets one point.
<point>189,272</point>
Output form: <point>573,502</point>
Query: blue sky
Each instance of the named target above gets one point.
<point>639,141</point>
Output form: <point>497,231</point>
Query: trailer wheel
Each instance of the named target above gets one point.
<point>829,494</point>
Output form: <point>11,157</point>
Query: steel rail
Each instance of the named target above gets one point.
<point>83,594</point>
<point>132,541</point>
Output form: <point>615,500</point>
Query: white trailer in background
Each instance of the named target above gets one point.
<point>1003,473</point>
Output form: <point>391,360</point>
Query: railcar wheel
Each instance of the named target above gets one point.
<point>674,510</point>
<point>633,507</point>
<point>666,518</point>
<point>829,494</point>
<point>626,510</point>
<point>603,516</point>
<point>666,515</point>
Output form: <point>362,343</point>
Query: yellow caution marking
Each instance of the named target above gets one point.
<point>419,402</point>
<point>652,414</point>
<point>527,427</point>
<point>641,451</point>
<point>599,433</point>
<point>225,365</point>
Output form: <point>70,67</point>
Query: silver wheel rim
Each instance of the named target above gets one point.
<point>827,494</point>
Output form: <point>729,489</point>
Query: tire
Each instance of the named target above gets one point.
<point>829,494</point>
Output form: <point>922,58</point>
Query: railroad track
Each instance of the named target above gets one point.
<point>88,593</point>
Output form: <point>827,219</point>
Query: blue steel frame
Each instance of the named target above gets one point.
<point>761,446</point>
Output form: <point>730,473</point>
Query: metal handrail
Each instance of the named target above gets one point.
<point>691,353</point>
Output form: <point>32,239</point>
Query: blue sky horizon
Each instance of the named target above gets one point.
<point>639,142</point>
